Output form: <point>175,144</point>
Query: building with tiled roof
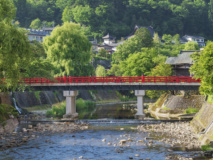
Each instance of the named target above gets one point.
<point>181,63</point>
<point>38,35</point>
<point>198,39</point>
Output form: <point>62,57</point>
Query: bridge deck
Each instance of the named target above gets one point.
<point>113,83</point>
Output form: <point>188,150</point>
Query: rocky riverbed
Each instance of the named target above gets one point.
<point>31,132</point>
<point>179,134</point>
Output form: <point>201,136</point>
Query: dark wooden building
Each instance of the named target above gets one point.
<point>181,63</point>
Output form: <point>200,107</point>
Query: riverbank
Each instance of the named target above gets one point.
<point>26,132</point>
<point>177,135</point>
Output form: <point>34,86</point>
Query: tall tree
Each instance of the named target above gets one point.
<point>69,50</point>
<point>14,47</point>
<point>203,68</point>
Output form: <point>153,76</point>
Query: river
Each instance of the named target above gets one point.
<point>108,138</point>
<point>99,142</point>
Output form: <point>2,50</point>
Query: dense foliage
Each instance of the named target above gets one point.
<point>83,108</point>
<point>119,17</point>
<point>69,50</point>
<point>135,57</point>
<point>203,68</point>
<point>14,47</point>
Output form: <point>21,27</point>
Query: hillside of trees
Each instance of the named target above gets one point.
<point>118,17</point>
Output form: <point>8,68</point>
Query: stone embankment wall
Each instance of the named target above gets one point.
<point>172,106</point>
<point>203,123</point>
<point>29,99</point>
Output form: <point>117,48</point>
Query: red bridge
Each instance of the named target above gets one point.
<point>113,83</point>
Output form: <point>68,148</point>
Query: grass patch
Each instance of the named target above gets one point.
<point>191,110</point>
<point>38,108</point>
<point>206,147</point>
<point>165,108</point>
<point>83,108</point>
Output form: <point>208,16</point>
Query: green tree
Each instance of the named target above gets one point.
<point>100,71</point>
<point>167,38</point>
<point>191,45</point>
<point>141,39</point>
<point>156,39</point>
<point>161,70</point>
<point>14,47</point>
<point>7,10</point>
<point>69,50</point>
<point>138,64</point>
<point>203,68</point>
<point>36,24</point>
<point>102,53</point>
<point>39,66</point>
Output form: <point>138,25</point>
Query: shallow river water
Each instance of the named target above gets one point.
<point>99,142</point>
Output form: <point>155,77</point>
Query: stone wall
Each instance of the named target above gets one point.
<point>203,123</point>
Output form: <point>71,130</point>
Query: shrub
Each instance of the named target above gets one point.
<point>83,107</point>
<point>191,110</point>
<point>206,147</point>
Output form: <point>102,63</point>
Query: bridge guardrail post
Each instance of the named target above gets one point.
<point>65,79</point>
<point>143,79</point>
<point>70,79</point>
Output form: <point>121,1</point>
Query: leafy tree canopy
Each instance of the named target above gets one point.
<point>191,46</point>
<point>7,10</point>
<point>69,50</point>
<point>203,68</point>
<point>14,47</point>
<point>100,71</point>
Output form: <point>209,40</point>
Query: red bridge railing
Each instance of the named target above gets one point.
<point>141,79</point>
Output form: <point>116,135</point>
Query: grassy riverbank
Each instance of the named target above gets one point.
<point>83,108</point>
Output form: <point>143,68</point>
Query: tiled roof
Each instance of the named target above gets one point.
<point>37,32</point>
<point>108,37</point>
<point>190,36</point>
<point>182,58</point>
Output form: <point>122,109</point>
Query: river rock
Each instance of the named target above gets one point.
<point>24,129</point>
<point>122,141</point>
<point>103,140</point>
<point>30,126</point>
<point>137,155</point>
<point>81,157</point>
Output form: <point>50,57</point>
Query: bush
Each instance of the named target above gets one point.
<point>57,110</point>
<point>206,147</point>
<point>82,107</point>
<point>191,110</point>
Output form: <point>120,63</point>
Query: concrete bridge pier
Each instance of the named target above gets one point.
<point>140,114</point>
<point>70,104</point>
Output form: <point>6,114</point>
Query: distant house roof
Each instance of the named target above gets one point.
<point>108,37</point>
<point>150,28</point>
<point>196,37</point>
<point>37,32</point>
<point>48,28</point>
<point>182,58</point>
